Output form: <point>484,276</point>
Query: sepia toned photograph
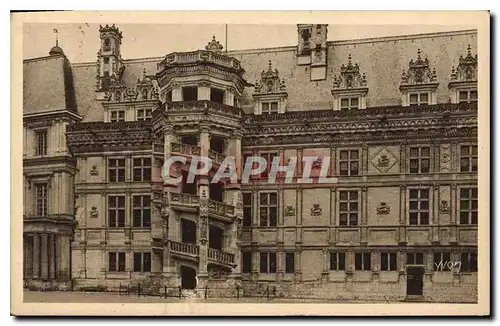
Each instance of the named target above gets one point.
<point>267,164</point>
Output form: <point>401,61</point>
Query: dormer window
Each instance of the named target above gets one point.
<point>349,88</point>
<point>467,96</point>
<point>418,83</point>
<point>463,79</point>
<point>270,93</point>
<point>117,115</point>
<point>144,114</point>
<point>269,107</point>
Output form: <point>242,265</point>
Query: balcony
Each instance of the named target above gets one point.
<point>184,250</point>
<point>177,58</point>
<point>185,202</point>
<point>185,149</point>
<point>191,203</point>
<point>220,209</point>
<point>220,257</point>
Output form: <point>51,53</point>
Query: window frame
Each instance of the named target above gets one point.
<point>419,100</point>
<point>247,220</point>
<point>116,169</point>
<point>117,118</point>
<point>43,200</point>
<point>144,114</point>
<point>248,268</point>
<point>471,211</point>
<point>416,255</point>
<point>441,256</point>
<point>269,266</point>
<point>337,260</point>
<point>466,266</point>
<point>142,167</point>
<point>142,210</point>
<point>289,269</point>
<point>349,162</point>
<point>469,98</point>
<point>389,261</point>
<point>269,105</point>
<point>419,210</point>
<point>470,157</point>
<point>117,264</point>
<point>420,158</point>
<point>348,201</point>
<point>364,260</point>
<point>41,150</point>
<point>117,209</point>
<point>350,106</point>
<point>142,260</point>
<point>268,206</point>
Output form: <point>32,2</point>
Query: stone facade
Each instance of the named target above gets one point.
<point>395,117</point>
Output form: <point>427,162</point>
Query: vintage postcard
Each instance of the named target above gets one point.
<point>235,163</point>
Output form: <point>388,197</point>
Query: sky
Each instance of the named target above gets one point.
<point>80,42</point>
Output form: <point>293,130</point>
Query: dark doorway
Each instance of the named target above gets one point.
<point>216,235</point>
<point>415,281</point>
<point>216,192</point>
<point>188,230</point>
<point>188,277</point>
<point>217,144</point>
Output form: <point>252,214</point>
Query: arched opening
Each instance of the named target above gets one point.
<point>188,277</point>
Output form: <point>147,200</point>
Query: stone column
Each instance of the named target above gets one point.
<point>44,259</point>
<point>298,264</point>
<point>326,261</point>
<point>204,91</point>
<point>28,257</point>
<point>64,249</point>
<point>52,258</point>
<point>228,97</point>
<point>176,93</point>
<point>57,255</point>
<point>36,256</point>
<point>453,213</point>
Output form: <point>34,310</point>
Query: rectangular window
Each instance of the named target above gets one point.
<point>420,159</point>
<point>441,260</point>
<point>117,262</point>
<point>190,93</point>
<point>349,162</point>
<point>142,262</point>
<point>269,157</point>
<point>268,262</point>
<point>41,142</point>
<point>144,114</point>
<point>117,115</point>
<point>247,209</point>
<point>468,206</point>
<point>414,258</point>
<point>142,169</point>
<point>337,261</point>
<point>467,96</point>
<point>246,262</point>
<point>419,206</point>
<point>116,169</point>
<point>362,261</point>
<point>419,98</point>
<point>268,208</point>
<point>116,211</point>
<point>41,199</point>
<point>348,208</point>
<point>349,103</point>
<point>216,95</point>
<point>269,107</point>
<point>289,262</point>
<point>142,211</point>
<point>468,158</point>
<point>469,262</point>
<point>388,261</point>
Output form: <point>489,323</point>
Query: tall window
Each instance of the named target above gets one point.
<point>117,115</point>
<point>468,158</point>
<point>142,262</point>
<point>467,96</point>
<point>349,162</point>
<point>247,209</point>
<point>414,258</point>
<point>289,262</point>
<point>41,199</point>
<point>142,169</point>
<point>269,107</point>
<point>419,206</point>
<point>419,98</point>
<point>216,95</point>
<point>269,157</point>
<point>337,261</point>
<point>362,261</point>
<point>117,262</point>
<point>268,209</point>
<point>268,262</point>
<point>116,211</point>
<point>41,142</point>
<point>468,206</point>
<point>388,261</point>
<point>349,103</point>
<point>116,169</point>
<point>190,93</point>
<point>441,260</point>
<point>144,114</point>
<point>469,262</point>
<point>142,211</point>
<point>246,262</point>
<point>419,159</point>
<point>348,207</point>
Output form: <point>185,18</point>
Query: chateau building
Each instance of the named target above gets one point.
<point>396,116</point>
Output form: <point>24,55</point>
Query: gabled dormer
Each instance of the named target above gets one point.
<point>419,83</point>
<point>463,79</point>
<point>270,92</point>
<point>349,88</point>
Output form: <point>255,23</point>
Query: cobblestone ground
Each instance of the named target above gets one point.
<point>96,297</point>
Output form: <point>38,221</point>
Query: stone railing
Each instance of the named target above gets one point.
<point>216,156</point>
<point>202,106</point>
<point>220,208</point>
<point>184,248</point>
<point>185,149</point>
<point>109,126</point>
<point>220,256</point>
<point>199,56</point>
<point>184,199</point>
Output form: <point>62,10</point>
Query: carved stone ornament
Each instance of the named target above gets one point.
<point>444,207</point>
<point>383,161</point>
<point>350,77</point>
<point>418,72</point>
<point>466,69</point>
<point>316,210</point>
<point>93,212</point>
<point>217,273</point>
<point>270,82</point>
<point>203,230</point>
<point>214,46</point>
<point>290,211</point>
<point>94,171</point>
<point>383,209</point>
